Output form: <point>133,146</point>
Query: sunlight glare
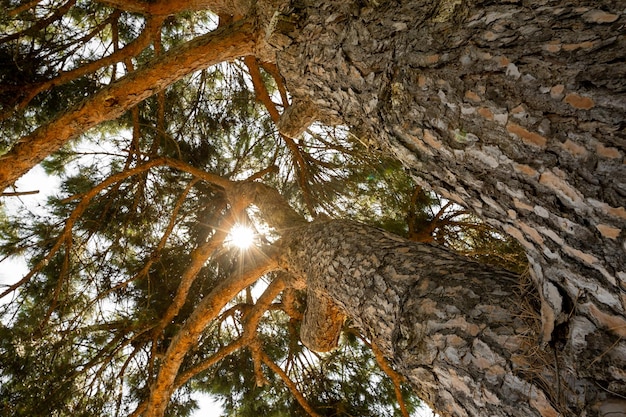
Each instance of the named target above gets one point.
<point>241,236</point>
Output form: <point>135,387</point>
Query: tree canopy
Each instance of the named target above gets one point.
<point>137,237</point>
<point>169,124</point>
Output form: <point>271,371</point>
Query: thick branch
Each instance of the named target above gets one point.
<point>188,335</point>
<point>235,40</point>
<point>251,321</point>
<point>168,8</point>
<point>199,257</point>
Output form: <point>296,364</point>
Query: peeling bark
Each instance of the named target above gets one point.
<point>461,332</point>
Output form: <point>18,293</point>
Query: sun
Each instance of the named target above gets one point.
<point>241,236</point>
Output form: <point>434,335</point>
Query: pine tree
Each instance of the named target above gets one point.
<point>171,122</point>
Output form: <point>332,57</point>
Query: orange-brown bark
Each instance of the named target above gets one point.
<point>251,321</point>
<point>168,8</point>
<point>262,95</point>
<point>394,376</point>
<point>22,8</point>
<point>206,311</point>
<point>235,40</point>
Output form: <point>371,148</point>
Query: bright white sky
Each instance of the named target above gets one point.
<point>11,270</point>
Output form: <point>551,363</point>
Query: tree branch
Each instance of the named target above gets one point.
<point>207,310</point>
<point>263,96</point>
<point>289,383</point>
<point>19,193</point>
<point>168,8</point>
<point>393,375</point>
<point>124,54</point>
<point>235,40</point>
<point>199,256</point>
<point>22,8</point>
<point>40,24</point>
<point>251,321</point>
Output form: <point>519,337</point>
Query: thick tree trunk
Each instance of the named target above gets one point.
<point>464,334</point>
<point>514,109</point>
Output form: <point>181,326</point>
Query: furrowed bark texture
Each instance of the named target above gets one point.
<point>513,109</point>
<point>458,330</point>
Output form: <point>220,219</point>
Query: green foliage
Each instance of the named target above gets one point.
<point>78,337</point>
<point>345,382</point>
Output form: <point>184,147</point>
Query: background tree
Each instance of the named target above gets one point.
<point>130,278</point>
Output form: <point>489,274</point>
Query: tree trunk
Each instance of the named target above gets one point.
<point>464,334</point>
<point>513,109</point>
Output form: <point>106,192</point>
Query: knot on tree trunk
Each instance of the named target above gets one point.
<point>322,323</point>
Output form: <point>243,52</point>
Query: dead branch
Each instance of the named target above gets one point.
<point>20,193</point>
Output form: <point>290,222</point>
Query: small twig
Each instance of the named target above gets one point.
<point>609,391</point>
<point>393,375</point>
<point>290,384</point>
<point>17,194</point>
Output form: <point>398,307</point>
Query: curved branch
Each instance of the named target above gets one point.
<point>190,332</point>
<point>232,41</point>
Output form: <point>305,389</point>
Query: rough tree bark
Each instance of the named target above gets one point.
<point>462,333</point>
<point>514,109</point>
